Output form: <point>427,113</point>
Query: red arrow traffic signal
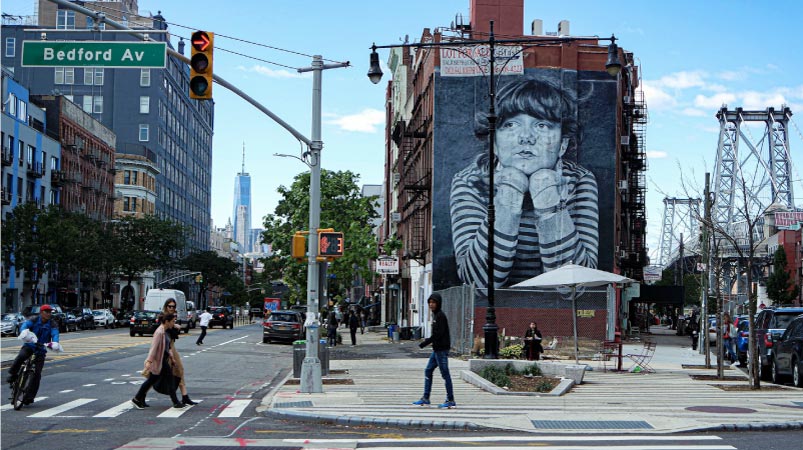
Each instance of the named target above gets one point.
<point>202,43</point>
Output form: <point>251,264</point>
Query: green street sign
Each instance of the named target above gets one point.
<point>93,54</point>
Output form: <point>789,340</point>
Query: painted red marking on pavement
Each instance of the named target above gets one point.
<point>218,421</point>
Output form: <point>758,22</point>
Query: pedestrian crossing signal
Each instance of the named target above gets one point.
<point>330,244</point>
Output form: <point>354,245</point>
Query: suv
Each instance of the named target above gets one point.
<point>221,315</point>
<point>770,325</point>
<point>283,325</point>
<point>85,317</point>
<point>788,355</point>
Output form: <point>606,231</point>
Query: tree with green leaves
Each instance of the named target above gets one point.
<point>780,288</point>
<point>215,270</point>
<point>343,209</point>
<point>148,243</point>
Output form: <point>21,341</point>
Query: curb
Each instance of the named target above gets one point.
<point>777,426</point>
<point>400,423</point>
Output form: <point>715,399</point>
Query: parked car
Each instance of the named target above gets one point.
<point>283,325</point>
<point>70,322</point>
<point>103,318</point>
<point>742,340</point>
<point>143,322</point>
<point>86,319</point>
<point>58,314</point>
<point>712,330</point>
<point>221,315</point>
<point>11,323</point>
<point>787,357</point>
<point>123,318</point>
<point>770,325</point>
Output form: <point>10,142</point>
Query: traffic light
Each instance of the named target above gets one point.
<point>298,250</point>
<point>202,43</point>
<point>330,243</point>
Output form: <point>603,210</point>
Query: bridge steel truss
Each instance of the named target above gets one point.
<point>680,214</point>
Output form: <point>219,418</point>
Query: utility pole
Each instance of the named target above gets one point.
<point>704,343</point>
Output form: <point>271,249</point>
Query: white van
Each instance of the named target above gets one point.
<point>156,298</point>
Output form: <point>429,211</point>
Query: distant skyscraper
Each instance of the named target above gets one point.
<point>241,214</point>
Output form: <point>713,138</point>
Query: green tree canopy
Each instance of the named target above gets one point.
<point>344,209</point>
<point>780,288</point>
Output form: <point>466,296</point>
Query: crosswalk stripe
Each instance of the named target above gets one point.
<point>117,410</point>
<point>62,408</point>
<point>173,413</point>
<point>235,408</point>
<point>496,439</point>
<point>8,406</point>
<point>590,446</point>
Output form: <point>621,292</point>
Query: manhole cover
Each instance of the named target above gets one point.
<point>721,409</point>
<point>591,424</point>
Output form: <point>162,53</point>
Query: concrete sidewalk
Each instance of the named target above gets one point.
<point>376,382</point>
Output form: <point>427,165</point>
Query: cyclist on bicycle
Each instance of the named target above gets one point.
<point>47,332</point>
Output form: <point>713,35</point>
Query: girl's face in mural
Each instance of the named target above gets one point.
<point>529,144</point>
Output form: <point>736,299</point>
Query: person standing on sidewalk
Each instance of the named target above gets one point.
<point>728,333</point>
<point>331,328</point>
<point>439,358</point>
<point>354,323</point>
<point>205,317</point>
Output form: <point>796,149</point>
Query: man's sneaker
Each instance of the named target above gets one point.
<point>139,404</point>
<point>422,402</point>
<point>448,404</point>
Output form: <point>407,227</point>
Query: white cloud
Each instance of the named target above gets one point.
<point>365,121</point>
<point>731,75</point>
<point>272,73</point>
<point>715,101</point>
<point>683,80</point>
<point>656,97</point>
<point>694,112</point>
<point>762,100</point>
<point>656,154</point>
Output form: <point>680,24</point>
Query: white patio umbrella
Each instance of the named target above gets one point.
<point>571,276</point>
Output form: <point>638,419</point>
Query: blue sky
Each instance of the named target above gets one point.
<point>695,56</point>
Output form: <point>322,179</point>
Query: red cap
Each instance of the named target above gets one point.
<point>46,308</point>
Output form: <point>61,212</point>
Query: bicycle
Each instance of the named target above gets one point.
<point>20,386</point>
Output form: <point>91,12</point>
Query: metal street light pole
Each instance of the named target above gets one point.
<point>311,367</point>
<point>613,65</point>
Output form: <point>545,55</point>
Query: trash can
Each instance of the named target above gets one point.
<point>406,333</point>
<point>391,329</point>
<point>416,333</point>
<point>323,356</point>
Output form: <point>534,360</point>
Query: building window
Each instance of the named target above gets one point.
<point>97,103</point>
<point>90,23</point>
<point>143,132</point>
<point>93,76</point>
<point>144,105</point>
<point>29,155</point>
<point>11,47</point>
<point>23,111</point>
<point>65,20</point>
<point>87,105</point>
<point>64,75</point>
<point>145,77</point>
<point>54,163</point>
<point>130,204</point>
<point>12,105</point>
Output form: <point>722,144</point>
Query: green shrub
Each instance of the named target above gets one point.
<point>496,375</point>
<point>543,386</point>
<point>533,370</point>
<point>514,351</point>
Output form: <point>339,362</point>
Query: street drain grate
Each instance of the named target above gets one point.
<point>304,404</point>
<point>591,424</point>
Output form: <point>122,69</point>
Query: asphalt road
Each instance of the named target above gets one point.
<point>84,403</point>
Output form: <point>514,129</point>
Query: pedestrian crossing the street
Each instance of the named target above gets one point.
<point>95,408</point>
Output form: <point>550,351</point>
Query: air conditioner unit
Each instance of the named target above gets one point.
<point>623,185</point>
<point>396,177</point>
<point>395,217</point>
<point>625,140</point>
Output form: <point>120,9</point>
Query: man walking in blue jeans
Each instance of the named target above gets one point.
<point>440,353</point>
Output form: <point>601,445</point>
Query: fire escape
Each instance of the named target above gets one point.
<point>632,249</point>
<point>414,169</point>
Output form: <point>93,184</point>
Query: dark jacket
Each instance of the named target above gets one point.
<point>536,333</point>
<point>331,321</point>
<point>440,328</point>
<point>354,322</point>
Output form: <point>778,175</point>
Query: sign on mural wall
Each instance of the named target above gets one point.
<point>475,61</point>
<point>652,273</point>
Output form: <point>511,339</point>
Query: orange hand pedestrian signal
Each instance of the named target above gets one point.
<point>330,244</point>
